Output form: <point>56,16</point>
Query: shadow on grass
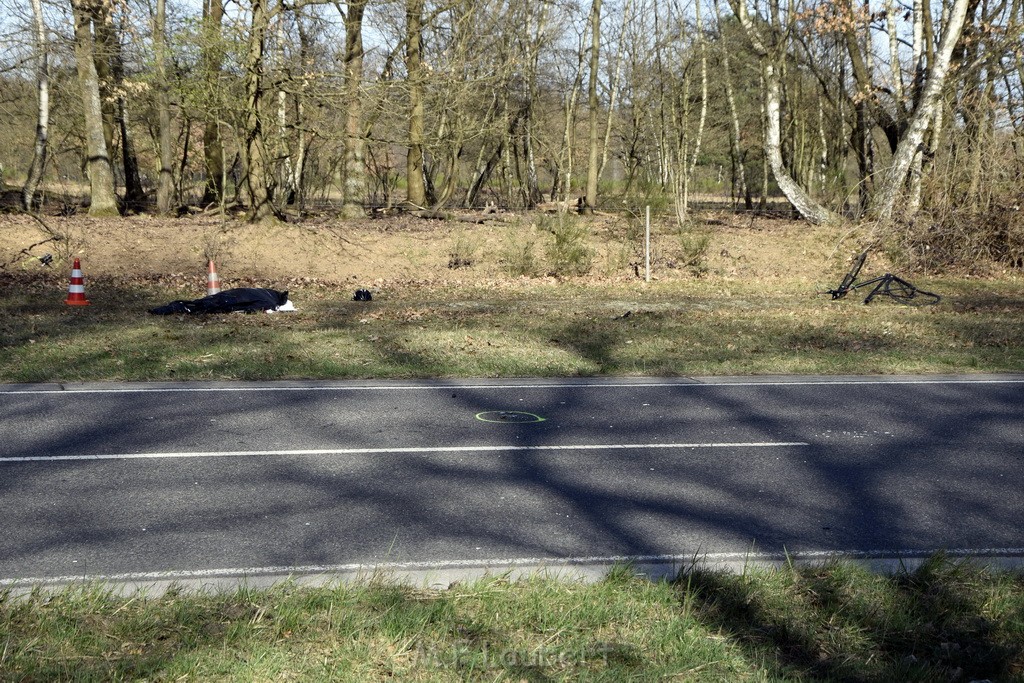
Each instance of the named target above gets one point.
<point>506,335</point>
<point>942,622</point>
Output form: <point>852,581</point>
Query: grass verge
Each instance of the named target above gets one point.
<point>522,328</point>
<point>945,621</point>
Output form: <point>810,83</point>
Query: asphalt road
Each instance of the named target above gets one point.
<point>193,480</point>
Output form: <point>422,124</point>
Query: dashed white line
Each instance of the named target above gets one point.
<point>401,449</point>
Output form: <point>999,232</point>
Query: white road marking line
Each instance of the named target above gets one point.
<point>696,558</point>
<point>410,449</point>
<point>63,391</point>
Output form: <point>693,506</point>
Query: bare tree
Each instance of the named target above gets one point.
<point>537,23</point>
<point>772,50</point>
<point>213,147</point>
<point>109,56</point>
<point>416,193</point>
<point>165,180</point>
<point>686,160</point>
<point>354,189</point>
<point>258,178</point>
<point>614,87</point>
<point>101,172</point>
<point>894,177</point>
<point>592,103</point>
<point>39,150</point>
<point>563,171</point>
<point>735,153</point>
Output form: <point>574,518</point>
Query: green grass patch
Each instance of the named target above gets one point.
<point>945,621</point>
<point>526,328</point>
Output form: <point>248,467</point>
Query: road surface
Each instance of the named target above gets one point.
<point>239,479</point>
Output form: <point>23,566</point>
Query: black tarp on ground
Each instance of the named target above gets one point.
<point>244,299</point>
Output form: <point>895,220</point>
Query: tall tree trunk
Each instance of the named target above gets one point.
<point>259,182</point>
<point>894,51</point>
<point>101,172</point>
<point>735,150</point>
<point>354,188</point>
<point>861,143</point>
<point>569,134</point>
<point>39,150</point>
<point>797,196</point>
<point>416,193</point>
<point>483,173</point>
<point>186,136</point>
<point>282,152</point>
<point>298,178</point>
<point>857,46</point>
<point>101,57</point>
<point>213,148</point>
<point>613,97</point>
<point>110,66</point>
<point>801,200</point>
<point>661,78</point>
<point>537,25</point>
<point>699,138</point>
<point>592,103</point>
<point>165,180</point>
<point>688,152</point>
<point>894,177</point>
<point>134,194</point>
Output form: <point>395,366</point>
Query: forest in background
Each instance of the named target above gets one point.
<point>908,118</point>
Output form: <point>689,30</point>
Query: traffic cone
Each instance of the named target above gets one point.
<point>212,280</point>
<point>76,290</point>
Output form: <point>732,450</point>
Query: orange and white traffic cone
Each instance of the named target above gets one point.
<point>76,290</point>
<point>212,279</point>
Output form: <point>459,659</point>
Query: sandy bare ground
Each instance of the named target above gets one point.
<point>408,249</point>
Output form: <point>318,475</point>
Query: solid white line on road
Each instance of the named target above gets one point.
<point>412,449</point>
<point>696,559</point>
<point>707,383</point>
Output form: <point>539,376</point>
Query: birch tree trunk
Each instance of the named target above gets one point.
<point>892,180</point>
<point>699,138</point>
<point>101,172</point>
<point>284,165</point>
<point>538,24</point>
<point>894,53</point>
<point>416,190</point>
<point>39,150</point>
<point>687,160</point>
<point>564,181</point>
<point>592,103</point>
<point>801,200</point>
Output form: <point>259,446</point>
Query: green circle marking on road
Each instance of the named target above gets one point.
<point>508,416</point>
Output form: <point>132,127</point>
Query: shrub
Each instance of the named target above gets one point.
<point>463,253</point>
<point>962,237</point>
<point>518,254</point>
<point>693,249</point>
<point>567,253</point>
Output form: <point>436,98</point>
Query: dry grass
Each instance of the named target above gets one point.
<point>758,309</point>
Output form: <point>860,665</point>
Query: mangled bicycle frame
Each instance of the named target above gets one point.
<point>884,285</point>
